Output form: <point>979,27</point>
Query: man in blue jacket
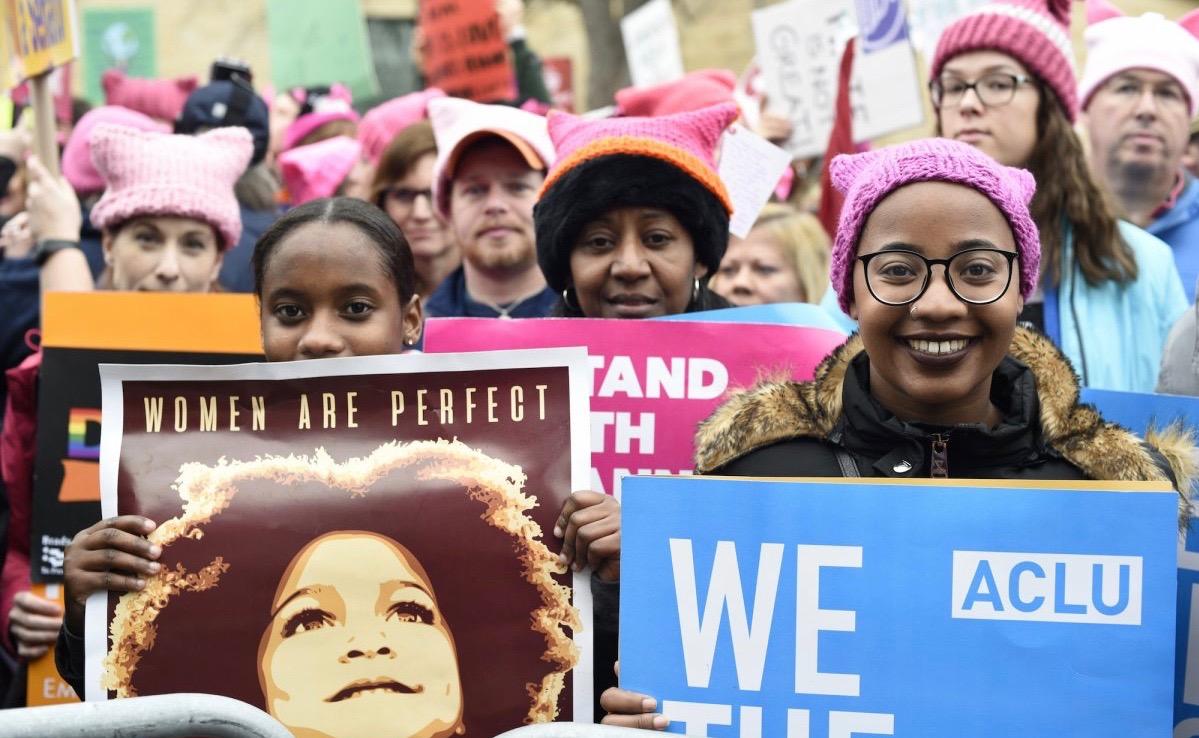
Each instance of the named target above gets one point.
<point>491,162</point>
<point>1139,92</point>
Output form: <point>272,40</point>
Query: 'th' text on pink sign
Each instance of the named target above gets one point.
<point>653,382</point>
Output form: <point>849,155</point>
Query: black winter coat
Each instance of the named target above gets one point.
<point>791,429</point>
<point>881,445</point>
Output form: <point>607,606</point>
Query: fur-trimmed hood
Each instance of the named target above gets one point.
<point>778,411</point>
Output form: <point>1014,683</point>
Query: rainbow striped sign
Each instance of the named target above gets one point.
<point>77,445</point>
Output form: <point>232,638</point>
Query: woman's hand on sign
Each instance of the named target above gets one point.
<point>589,526</point>
<point>53,207</point>
<point>627,709</point>
<point>112,555</point>
<point>33,623</point>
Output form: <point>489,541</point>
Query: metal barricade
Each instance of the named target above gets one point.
<point>210,716</point>
<point>162,716</point>
<point>578,730</point>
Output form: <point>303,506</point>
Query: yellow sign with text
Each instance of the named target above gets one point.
<point>44,686</point>
<point>41,35</point>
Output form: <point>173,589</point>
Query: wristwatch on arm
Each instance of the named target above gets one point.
<point>49,247</point>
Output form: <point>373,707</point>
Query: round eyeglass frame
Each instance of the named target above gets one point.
<point>936,89</point>
<point>929,264</point>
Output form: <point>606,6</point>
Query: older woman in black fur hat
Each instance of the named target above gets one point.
<point>633,218</point>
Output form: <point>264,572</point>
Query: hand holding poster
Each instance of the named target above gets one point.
<point>43,36</point>
<point>866,608</point>
<point>362,540</point>
<point>651,382</point>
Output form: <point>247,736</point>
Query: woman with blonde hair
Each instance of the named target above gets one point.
<point>784,258</point>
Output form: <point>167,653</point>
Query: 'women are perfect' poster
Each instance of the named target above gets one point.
<point>361,547</point>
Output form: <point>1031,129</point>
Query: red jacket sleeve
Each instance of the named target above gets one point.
<point>18,443</point>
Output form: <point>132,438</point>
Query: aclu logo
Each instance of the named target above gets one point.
<point>1050,588</point>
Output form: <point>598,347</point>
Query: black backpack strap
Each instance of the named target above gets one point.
<point>849,467</point>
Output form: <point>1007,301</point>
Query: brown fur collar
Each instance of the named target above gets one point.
<point>777,411</point>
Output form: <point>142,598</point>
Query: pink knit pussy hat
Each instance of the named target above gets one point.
<point>383,122</point>
<point>685,140</point>
<point>157,98</point>
<point>317,170</point>
<point>699,89</point>
<point>309,122</point>
<point>77,164</point>
<point>866,179</point>
<point>149,173</point>
<point>1035,32</point>
<point>1117,43</point>
<point>458,124</point>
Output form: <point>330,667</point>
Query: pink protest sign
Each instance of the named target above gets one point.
<point>653,382</point>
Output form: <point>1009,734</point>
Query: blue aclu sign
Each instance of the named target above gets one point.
<point>822,609</point>
<point>1139,412</point>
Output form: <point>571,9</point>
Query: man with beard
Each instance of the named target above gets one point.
<point>1139,92</point>
<point>491,162</point>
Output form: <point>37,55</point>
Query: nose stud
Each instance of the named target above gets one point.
<point>912,310</point>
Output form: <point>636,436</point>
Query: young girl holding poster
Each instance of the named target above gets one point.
<point>334,277</point>
<point>935,254</point>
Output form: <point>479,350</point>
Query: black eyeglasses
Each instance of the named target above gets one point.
<point>406,195</point>
<point>993,90</point>
<point>976,276</point>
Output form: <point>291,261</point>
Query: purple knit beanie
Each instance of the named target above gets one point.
<point>865,179</point>
<point>1036,32</point>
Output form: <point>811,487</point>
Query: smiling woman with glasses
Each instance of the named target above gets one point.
<point>935,255</point>
<point>1003,81</point>
<point>403,189</point>
<point>978,276</point>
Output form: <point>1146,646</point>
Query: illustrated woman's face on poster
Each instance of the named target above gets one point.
<point>357,646</point>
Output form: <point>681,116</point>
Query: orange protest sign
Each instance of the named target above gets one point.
<point>43,685</point>
<point>141,321</point>
<point>465,52</point>
<point>42,34</point>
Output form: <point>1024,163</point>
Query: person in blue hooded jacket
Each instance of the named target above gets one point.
<point>1139,93</point>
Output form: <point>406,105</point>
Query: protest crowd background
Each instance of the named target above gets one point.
<point>367,168</point>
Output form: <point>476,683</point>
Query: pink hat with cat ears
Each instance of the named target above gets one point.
<point>1118,42</point>
<point>866,179</point>
<point>384,122</point>
<point>151,173</point>
<point>1035,32</point>
<point>317,170</point>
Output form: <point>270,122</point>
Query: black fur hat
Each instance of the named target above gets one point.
<point>613,181</point>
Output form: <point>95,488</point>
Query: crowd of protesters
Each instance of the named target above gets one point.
<point>1046,239</point>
